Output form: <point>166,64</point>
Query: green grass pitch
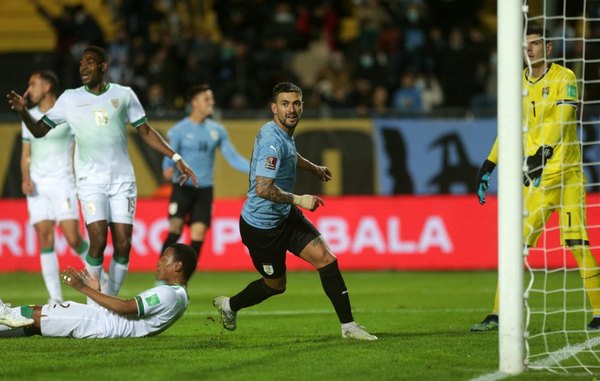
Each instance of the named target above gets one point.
<point>422,320</point>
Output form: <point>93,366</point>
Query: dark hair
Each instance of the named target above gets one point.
<point>285,87</point>
<point>100,52</point>
<point>50,77</point>
<point>196,89</point>
<point>535,28</point>
<point>187,256</point>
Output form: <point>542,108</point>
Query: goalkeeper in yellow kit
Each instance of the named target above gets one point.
<point>554,179</point>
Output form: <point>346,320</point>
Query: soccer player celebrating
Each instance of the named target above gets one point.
<point>197,137</point>
<point>49,183</point>
<point>271,224</point>
<point>98,113</point>
<point>147,314</point>
<point>554,180</point>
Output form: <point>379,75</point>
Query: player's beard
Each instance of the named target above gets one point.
<point>292,125</point>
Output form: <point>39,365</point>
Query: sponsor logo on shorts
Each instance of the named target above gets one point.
<point>172,208</point>
<point>90,207</point>
<point>67,204</point>
<point>271,162</point>
<point>268,268</point>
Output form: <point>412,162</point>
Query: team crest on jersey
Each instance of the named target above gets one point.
<point>214,135</point>
<point>545,92</point>
<point>271,162</point>
<point>115,102</point>
<point>172,208</point>
<point>268,268</point>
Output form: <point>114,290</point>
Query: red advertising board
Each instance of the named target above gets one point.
<point>366,233</point>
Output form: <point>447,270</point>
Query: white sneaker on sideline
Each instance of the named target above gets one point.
<point>11,318</point>
<point>355,331</point>
<point>227,318</point>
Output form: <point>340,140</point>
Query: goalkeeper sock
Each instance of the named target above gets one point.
<point>335,288</point>
<point>496,306</point>
<point>254,293</point>
<point>588,269</point>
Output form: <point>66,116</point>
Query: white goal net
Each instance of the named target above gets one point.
<point>562,294</point>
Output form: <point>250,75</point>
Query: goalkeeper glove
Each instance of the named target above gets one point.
<point>483,179</point>
<point>535,165</point>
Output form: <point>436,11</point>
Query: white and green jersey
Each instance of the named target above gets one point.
<point>158,309</point>
<point>51,159</point>
<point>99,123</point>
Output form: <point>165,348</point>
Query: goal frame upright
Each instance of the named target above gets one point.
<point>510,197</point>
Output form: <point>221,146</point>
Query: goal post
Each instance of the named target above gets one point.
<point>510,197</point>
<point>549,321</point>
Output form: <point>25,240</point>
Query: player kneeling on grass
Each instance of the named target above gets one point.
<point>147,314</point>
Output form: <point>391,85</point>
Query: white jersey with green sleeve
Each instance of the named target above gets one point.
<point>51,160</point>
<point>99,123</point>
<point>158,308</point>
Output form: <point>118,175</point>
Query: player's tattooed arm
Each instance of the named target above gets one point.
<point>266,188</point>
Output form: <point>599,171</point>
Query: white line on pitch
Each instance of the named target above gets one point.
<point>552,358</point>
<point>330,311</point>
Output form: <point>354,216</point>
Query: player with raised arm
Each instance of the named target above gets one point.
<point>197,137</point>
<point>554,180</point>
<point>147,314</point>
<point>49,183</point>
<point>98,113</point>
<point>271,224</point>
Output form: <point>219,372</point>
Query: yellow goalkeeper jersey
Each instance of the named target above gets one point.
<point>549,111</point>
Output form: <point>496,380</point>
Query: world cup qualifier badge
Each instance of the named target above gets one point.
<point>271,162</point>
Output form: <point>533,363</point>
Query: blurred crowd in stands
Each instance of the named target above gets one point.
<point>375,57</point>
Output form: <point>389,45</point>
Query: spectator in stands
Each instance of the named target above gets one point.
<point>408,97</point>
<point>64,29</point>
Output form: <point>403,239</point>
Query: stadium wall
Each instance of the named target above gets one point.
<point>365,232</point>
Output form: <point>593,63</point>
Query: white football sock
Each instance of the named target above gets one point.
<point>49,263</point>
<point>116,276</point>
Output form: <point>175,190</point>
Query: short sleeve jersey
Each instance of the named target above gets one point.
<point>51,160</point>
<point>158,309</point>
<point>274,156</point>
<point>198,143</point>
<point>99,123</point>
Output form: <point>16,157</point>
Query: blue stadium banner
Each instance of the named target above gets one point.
<point>432,156</point>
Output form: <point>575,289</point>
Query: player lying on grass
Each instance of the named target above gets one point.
<point>147,314</point>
